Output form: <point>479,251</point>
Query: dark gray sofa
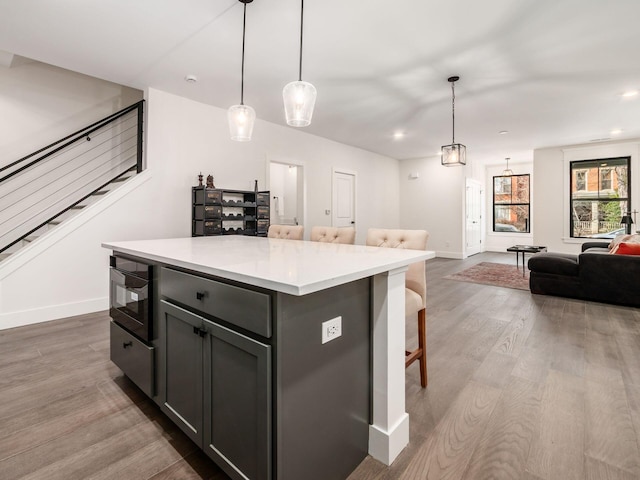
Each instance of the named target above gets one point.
<point>594,275</point>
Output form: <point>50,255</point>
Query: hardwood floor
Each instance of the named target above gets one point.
<point>520,387</point>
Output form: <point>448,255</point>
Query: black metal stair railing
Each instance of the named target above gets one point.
<point>41,187</point>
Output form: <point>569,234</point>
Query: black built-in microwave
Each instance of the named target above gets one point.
<point>130,296</point>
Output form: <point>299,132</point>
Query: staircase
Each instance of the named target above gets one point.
<point>43,190</point>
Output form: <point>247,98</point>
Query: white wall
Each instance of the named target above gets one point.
<point>435,202</point>
<point>551,182</point>
<point>500,241</point>
<point>41,104</point>
<point>182,149</point>
<point>183,138</point>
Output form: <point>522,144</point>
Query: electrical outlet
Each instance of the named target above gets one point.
<point>331,329</point>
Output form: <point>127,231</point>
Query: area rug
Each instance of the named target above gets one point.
<point>497,274</point>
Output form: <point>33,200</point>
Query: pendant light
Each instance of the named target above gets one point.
<point>456,153</point>
<point>507,172</point>
<point>241,117</point>
<point>299,97</point>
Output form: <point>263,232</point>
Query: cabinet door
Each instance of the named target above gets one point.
<point>238,416</point>
<point>181,340</point>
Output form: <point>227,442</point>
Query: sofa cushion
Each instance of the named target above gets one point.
<point>624,248</point>
<point>554,263</point>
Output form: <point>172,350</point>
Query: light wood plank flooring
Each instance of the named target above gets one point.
<point>520,387</point>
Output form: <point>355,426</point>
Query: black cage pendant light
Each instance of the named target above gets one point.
<point>507,172</point>
<point>299,97</point>
<point>241,117</point>
<point>456,153</point>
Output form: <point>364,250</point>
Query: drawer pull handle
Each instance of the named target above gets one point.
<point>200,295</point>
<point>199,331</point>
<point>127,344</point>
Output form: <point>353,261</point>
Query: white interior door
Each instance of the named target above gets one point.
<point>473,215</point>
<point>344,199</point>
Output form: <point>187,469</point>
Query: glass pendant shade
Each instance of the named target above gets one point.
<point>241,119</point>
<point>299,99</point>
<point>454,154</point>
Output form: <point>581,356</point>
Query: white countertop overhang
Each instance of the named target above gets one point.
<point>294,267</point>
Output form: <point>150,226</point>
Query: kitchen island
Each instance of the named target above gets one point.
<point>250,362</point>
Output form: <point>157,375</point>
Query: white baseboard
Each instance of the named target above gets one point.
<point>454,255</point>
<point>385,446</point>
<point>51,312</point>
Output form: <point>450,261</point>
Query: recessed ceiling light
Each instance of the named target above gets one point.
<point>191,79</point>
<point>616,131</point>
<point>503,132</point>
<point>398,135</point>
<point>630,93</point>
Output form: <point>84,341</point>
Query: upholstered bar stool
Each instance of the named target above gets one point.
<point>346,235</point>
<point>415,296</point>
<point>289,232</point>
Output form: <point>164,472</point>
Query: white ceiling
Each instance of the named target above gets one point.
<point>551,72</point>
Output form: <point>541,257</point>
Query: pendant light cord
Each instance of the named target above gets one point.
<point>244,27</point>
<point>453,114</point>
<point>301,24</point>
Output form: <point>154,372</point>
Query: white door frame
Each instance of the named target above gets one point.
<point>302,183</point>
<point>473,250</point>
<point>335,170</point>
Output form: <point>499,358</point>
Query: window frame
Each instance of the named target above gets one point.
<point>596,197</point>
<point>503,191</point>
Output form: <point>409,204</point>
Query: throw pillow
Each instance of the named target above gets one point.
<point>622,237</point>
<point>625,248</point>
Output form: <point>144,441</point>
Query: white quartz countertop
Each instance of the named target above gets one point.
<point>295,267</point>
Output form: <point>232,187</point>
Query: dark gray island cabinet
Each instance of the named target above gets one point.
<point>269,369</point>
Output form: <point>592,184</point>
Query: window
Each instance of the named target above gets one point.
<point>596,210</point>
<point>511,204</point>
<point>605,179</point>
<point>581,180</point>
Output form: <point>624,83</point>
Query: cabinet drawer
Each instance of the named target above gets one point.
<point>207,227</point>
<point>134,358</point>
<point>247,309</point>
<point>202,212</point>
<point>262,199</point>
<point>263,212</point>
<point>263,226</point>
<point>207,196</point>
